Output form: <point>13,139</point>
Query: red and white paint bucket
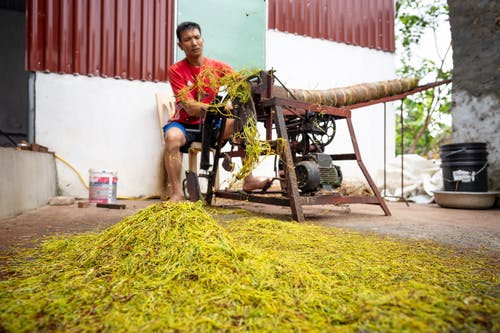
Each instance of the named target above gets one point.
<point>102,185</point>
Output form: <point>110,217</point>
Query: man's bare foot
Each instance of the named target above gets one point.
<point>253,183</point>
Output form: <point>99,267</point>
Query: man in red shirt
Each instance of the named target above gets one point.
<point>192,100</point>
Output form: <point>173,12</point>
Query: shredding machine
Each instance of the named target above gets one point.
<point>306,174</point>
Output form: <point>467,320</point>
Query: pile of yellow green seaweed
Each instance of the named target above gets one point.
<point>175,267</point>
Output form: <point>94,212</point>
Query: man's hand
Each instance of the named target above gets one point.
<point>229,106</point>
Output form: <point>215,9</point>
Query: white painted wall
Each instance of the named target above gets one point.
<point>307,63</point>
<point>105,123</point>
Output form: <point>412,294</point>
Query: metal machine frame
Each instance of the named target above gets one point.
<point>272,110</point>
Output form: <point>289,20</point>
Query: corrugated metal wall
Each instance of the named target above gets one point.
<point>130,39</point>
<point>134,39</point>
<point>367,23</point>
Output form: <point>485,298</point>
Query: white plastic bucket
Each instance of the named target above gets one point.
<point>102,185</point>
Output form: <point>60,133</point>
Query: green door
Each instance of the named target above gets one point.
<point>234,31</point>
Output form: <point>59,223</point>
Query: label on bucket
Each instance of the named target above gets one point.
<point>102,186</point>
<point>464,176</point>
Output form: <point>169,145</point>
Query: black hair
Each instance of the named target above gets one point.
<point>186,26</point>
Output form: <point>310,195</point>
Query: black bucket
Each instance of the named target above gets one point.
<point>465,167</point>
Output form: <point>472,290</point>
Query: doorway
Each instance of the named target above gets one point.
<point>14,81</point>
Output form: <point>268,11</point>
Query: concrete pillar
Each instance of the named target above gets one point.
<point>475,108</point>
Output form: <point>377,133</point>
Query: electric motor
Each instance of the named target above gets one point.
<point>317,172</point>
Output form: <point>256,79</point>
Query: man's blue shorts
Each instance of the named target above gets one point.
<point>192,133</point>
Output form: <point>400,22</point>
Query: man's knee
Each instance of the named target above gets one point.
<point>174,139</point>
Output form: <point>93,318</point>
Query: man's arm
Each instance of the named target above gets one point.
<point>192,107</point>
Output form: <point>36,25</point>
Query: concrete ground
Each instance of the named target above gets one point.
<point>467,229</point>
<point>470,229</point>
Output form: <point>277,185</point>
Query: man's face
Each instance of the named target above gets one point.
<point>191,42</point>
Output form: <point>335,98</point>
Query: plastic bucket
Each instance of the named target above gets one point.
<point>102,185</point>
<point>465,167</point>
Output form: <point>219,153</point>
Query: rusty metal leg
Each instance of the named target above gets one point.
<point>289,167</point>
<point>374,188</point>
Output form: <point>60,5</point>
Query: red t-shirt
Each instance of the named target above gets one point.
<point>182,74</point>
